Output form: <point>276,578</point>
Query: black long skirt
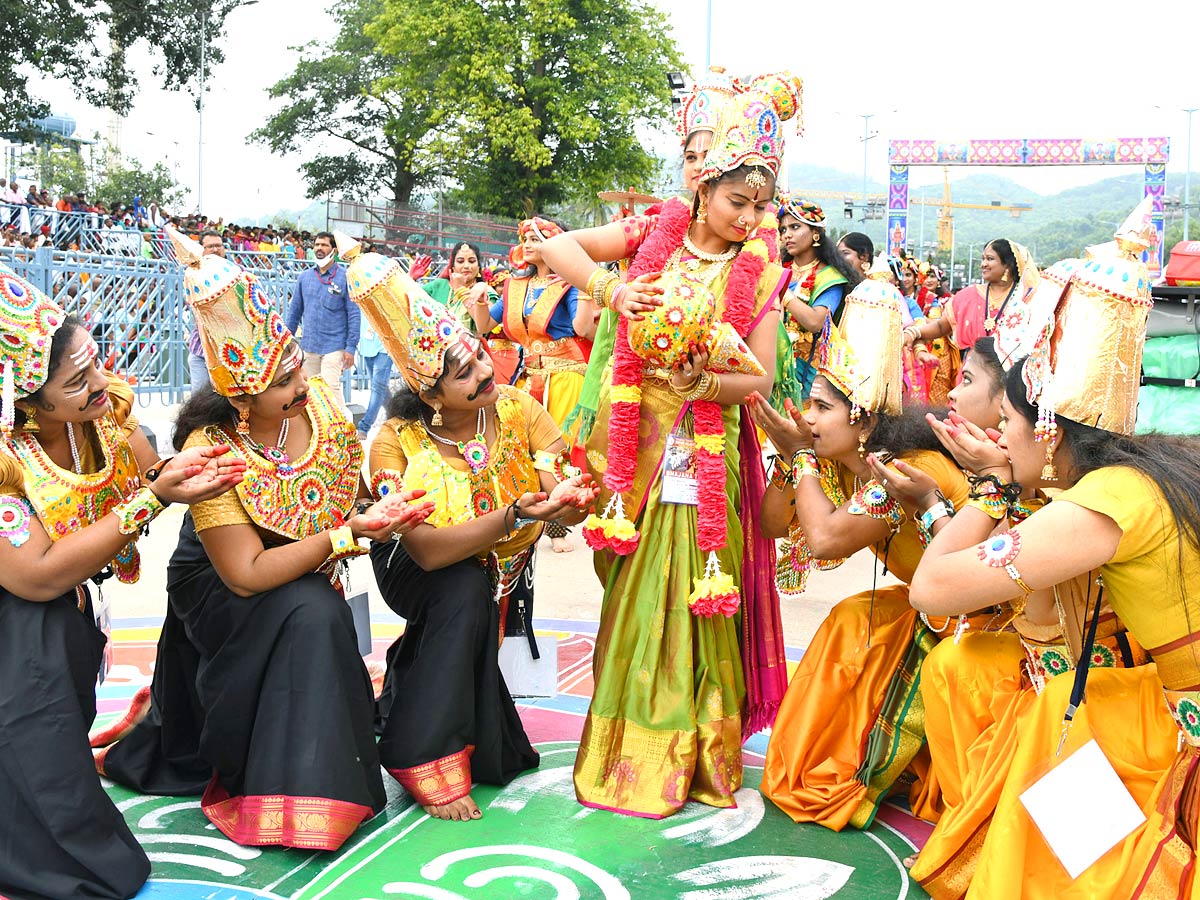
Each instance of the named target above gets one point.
<point>443,692</point>
<point>61,837</point>
<point>281,710</point>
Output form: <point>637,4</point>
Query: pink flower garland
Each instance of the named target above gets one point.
<point>625,405</point>
<point>625,414</point>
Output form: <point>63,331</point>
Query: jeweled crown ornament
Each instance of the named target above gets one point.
<point>243,337</point>
<point>701,109</point>
<point>862,356</point>
<point>28,322</point>
<point>749,130</point>
<point>415,329</point>
<point>1087,363</point>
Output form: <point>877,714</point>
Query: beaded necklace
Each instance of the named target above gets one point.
<point>74,450</point>
<point>277,454</point>
<point>474,451</point>
<point>703,256</point>
<point>989,323</point>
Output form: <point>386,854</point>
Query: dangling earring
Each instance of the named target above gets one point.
<point>862,445</point>
<point>702,211</point>
<point>436,419</point>
<point>1049,470</point>
<point>243,425</point>
<point>31,424</point>
<point>1004,277</point>
<point>816,239</point>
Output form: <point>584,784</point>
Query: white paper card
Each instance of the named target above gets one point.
<point>679,483</point>
<point>1082,808</point>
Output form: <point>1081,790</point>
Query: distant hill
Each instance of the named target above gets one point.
<point>1059,225</point>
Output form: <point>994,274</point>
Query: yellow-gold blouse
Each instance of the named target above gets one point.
<point>404,457</point>
<point>1147,581</point>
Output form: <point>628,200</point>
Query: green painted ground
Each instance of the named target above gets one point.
<point>534,842</point>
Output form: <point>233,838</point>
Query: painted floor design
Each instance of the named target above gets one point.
<point>534,840</point>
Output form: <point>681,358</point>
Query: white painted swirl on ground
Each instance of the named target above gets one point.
<point>766,878</point>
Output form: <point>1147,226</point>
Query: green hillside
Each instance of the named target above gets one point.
<point>1059,225</point>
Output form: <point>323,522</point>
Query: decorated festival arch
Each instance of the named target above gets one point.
<point>1151,153</point>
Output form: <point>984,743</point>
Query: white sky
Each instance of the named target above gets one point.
<point>941,69</point>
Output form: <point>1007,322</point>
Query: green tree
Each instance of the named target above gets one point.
<point>85,43</point>
<point>59,168</point>
<point>128,178</point>
<point>540,101</point>
<point>369,136</point>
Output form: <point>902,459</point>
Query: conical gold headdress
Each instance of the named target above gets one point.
<point>1086,364</point>
<point>244,338</point>
<point>862,356</point>
<point>416,330</point>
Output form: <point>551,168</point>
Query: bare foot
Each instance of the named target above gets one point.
<point>461,810</point>
<point>560,545</point>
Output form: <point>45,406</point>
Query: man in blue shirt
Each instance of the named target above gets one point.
<point>324,317</point>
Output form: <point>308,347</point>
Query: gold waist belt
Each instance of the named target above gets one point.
<point>548,365</point>
<point>502,344</point>
<point>551,347</point>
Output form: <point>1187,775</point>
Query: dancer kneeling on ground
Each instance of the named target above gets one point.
<point>493,463</point>
<point>78,481</point>
<point>259,647</point>
<point>1128,505</point>
<point>851,724</point>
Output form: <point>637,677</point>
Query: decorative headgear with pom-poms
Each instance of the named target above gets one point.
<point>803,210</point>
<point>415,329</point>
<point>28,322</point>
<point>749,131</point>
<point>542,229</point>
<point>243,337</point>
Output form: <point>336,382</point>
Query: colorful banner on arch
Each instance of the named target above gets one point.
<point>1150,152</point>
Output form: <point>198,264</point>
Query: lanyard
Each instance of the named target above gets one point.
<point>1082,665</point>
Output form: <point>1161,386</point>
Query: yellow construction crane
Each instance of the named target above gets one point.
<point>946,206</point>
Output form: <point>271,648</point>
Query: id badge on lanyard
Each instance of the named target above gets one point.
<point>679,482</point>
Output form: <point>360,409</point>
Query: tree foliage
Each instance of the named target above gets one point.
<point>85,42</point>
<point>515,105</point>
<point>367,136</point>
<point>59,168</point>
<point>124,179</point>
<point>540,99</point>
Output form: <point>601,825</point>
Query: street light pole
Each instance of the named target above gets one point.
<point>1187,179</point>
<point>200,128</point>
<point>866,117</point>
<point>708,40</point>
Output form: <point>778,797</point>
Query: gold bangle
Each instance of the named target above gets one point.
<point>782,476</point>
<point>601,285</point>
<point>138,511</point>
<point>804,462</point>
<point>698,389</point>
<point>714,387</point>
<point>342,543</point>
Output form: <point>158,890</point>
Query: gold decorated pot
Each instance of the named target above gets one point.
<point>662,337</point>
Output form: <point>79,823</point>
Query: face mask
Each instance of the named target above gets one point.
<point>323,261</point>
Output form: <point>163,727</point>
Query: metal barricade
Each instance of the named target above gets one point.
<point>135,309</point>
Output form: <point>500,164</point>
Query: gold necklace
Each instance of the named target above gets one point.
<point>703,256</point>
<point>989,322</point>
<point>704,272</point>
